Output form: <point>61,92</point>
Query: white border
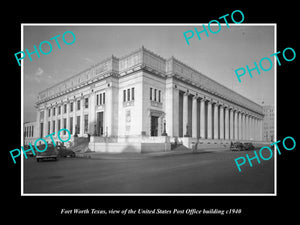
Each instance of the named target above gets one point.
<point>150,24</point>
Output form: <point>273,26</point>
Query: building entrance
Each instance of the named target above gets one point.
<point>154,126</point>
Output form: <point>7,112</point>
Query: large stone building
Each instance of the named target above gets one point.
<point>143,102</point>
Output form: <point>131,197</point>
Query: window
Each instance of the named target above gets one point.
<point>101,98</point>
<point>71,107</point>
<point>128,94</point>
<point>53,112</point>
<point>49,112</point>
<point>53,126</point>
<point>86,103</point>
<point>58,124</point>
<point>48,127</point>
<point>132,94</point>
<point>159,95</point>
<point>155,95</point>
<point>78,124</point>
<point>78,104</point>
<point>71,125</point>
<point>65,125</point>
<point>86,122</point>
<point>65,108</point>
<point>59,110</point>
<point>124,96</point>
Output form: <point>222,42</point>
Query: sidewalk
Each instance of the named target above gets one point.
<point>132,155</point>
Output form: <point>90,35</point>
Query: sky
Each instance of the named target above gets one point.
<point>216,56</point>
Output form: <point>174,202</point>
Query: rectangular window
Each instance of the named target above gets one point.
<point>78,124</point>
<point>128,94</point>
<point>71,107</point>
<point>42,114</point>
<point>103,100</point>
<point>53,112</point>
<point>159,95</point>
<point>48,127</point>
<point>97,99</point>
<point>49,112</point>
<point>58,125</point>
<point>78,104</point>
<point>132,94</point>
<point>53,126</point>
<point>124,95</point>
<point>86,122</point>
<point>65,108</point>
<point>86,103</point>
<point>100,99</point>
<point>59,110</point>
<point>155,94</point>
<point>65,125</point>
<point>151,94</point>
<point>71,125</point>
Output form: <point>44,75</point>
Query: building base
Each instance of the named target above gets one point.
<point>139,144</point>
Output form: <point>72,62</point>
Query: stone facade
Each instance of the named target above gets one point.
<point>145,95</point>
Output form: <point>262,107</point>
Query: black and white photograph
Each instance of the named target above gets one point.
<point>145,112</point>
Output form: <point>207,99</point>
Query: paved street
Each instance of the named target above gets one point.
<point>203,172</point>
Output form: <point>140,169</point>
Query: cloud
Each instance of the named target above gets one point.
<point>39,72</point>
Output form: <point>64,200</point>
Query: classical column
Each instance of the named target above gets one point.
<point>255,130</point>
<point>226,123</point>
<point>235,130</point>
<point>247,127</point>
<point>38,123</point>
<point>92,114</point>
<point>81,117</point>
<point>202,118</point>
<point>261,130</point>
<point>56,120</point>
<point>222,122</point>
<point>231,123</point>
<point>172,112</point>
<point>240,125</point>
<point>74,116</point>
<point>209,120</point>
<point>216,121</point>
<point>68,117</point>
<point>185,114</point>
<point>194,118</point>
<point>45,132</point>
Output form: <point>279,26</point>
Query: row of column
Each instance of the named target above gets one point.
<point>220,121</point>
<point>67,115</point>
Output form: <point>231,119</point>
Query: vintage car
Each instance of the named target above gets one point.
<point>248,146</point>
<point>237,146</point>
<point>64,152</point>
<point>49,153</point>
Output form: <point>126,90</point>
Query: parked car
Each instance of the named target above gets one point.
<point>49,153</point>
<point>237,146</point>
<point>248,146</point>
<point>64,152</point>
